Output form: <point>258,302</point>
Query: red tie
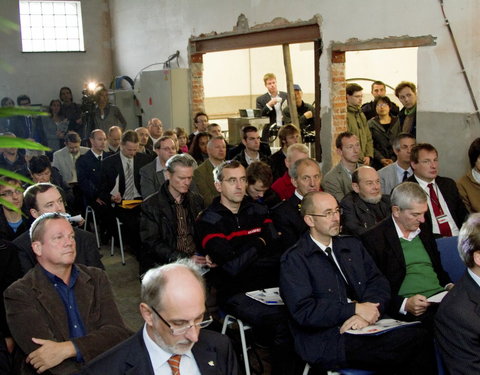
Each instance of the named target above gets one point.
<point>445,230</point>
<point>174,363</point>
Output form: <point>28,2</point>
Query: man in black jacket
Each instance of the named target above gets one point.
<point>237,237</point>
<point>168,230</point>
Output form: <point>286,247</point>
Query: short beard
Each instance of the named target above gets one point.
<point>174,349</point>
<point>373,200</point>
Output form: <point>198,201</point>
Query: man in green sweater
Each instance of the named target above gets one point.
<point>357,122</point>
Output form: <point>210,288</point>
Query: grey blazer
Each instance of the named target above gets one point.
<point>337,182</point>
<point>63,161</point>
<point>388,178</point>
<point>150,179</point>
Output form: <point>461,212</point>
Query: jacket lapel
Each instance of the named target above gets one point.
<point>392,238</point>
<point>206,358</point>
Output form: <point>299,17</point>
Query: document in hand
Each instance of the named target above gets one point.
<point>381,326</point>
<point>270,296</point>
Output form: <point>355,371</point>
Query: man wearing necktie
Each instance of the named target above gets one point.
<point>172,341</point>
<point>331,285</point>
<point>446,211</point>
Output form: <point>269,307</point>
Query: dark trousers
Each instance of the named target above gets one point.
<point>130,219</point>
<point>270,322</point>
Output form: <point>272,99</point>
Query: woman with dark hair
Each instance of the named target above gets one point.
<point>198,148</point>
<point>469,184</point>
<point>54,126</point>
<point>384,129</point>
<point>71,110</point>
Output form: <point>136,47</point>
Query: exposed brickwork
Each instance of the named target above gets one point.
<point>339,106</point>
<point>198,94</point>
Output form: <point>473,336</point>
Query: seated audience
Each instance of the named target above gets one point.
<point>251,152</point>
<point>45,198</point>
<point>349,293</point>
<point>152,175</point>
<point>61,314</point>
<point>259,181</point>
<point>469,185</point>
<point>365,206</point>
<point>338,181</point>
<point>55,126</point>
<point>168,229</point>
<point>400,170</point>
<point>378,90</point>
<point>182,139</point>
<point>6,122</point>
<point>143,137</point>
<point>12,223</point>
<point>9,272</point>
<point>214,130</point>
<point>40,170</point>
<point>65,159</point>
<point>288,135</point>
<point>283,185</point>
<point>357,123</point>
<point>384,129</point>
<point>408,256</point>
<point>406,92</point>
<point>171,133</point>
<point>305,112</point>
<point>26,126</point>
<point>203,175</point>
<point>306,177</point>
<point>72,111</point>
<point>238,239</point>
<point>172,340</point>
<point>11,158</point>
<point>446,211</point>
<point>155,130</point>
<point>198,147</point>
<point>200,123</point>
<point>457,326</point>
<point>114,137</point>
<point>106,115</point>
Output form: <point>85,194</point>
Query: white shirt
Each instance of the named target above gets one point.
<point>250,160</point>
<point>443,203</point>
<point>278,109</point>
<point>124,165</point>
<point>159,358</point>
<point>400,171</point>
<point>475,277</point>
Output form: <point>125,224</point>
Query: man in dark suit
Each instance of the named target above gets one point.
<point>252,151</point>
<point>408,256</point>
<point>446,211</point>
<point>171,341</point>
<point>349,293</point>
<point>61,314</point>
<point>46,198</point>
<point>365,205</point>
<point>306,177</point>
<point>89,168</point>
<point>457,322</point>
<point>120,180</point>
<point>270,104</point>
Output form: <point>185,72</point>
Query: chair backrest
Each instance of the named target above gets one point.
<point>451,261</point>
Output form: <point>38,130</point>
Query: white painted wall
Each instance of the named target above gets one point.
<point>40,75</point>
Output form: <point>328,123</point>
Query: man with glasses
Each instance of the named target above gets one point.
<point>12,223</point>
<point>239,242</point>
<point>331,285</point>
<point>446,210</point>
<point>61,314</point>
<point>172,340</point>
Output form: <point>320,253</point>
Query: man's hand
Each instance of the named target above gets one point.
<point>117,198</point>
<point>308,114</point>
<point>368,311</point>
<point>366,160</point>
<point>199,259</point>
<point>274,101</point>
<point>417,304</point>
<point>386,162</point>
<point>354,322</point>
<point>50,354</point>
<point>209,262</point>
<point>10,344</point>
<point>100,202</point>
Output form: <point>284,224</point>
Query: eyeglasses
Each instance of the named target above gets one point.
<point>10,193</point>
<point>184,329</point>
<point>329,214</point>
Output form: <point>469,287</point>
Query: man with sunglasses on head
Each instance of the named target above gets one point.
<point>172,340</point>
<point>61,315</point>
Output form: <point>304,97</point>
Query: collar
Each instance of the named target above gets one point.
<point>321,245</point>
<point>476,175</point>
<point>125,159</point>
<point>400,169</point>
<point>298,195</point>
<point>159,166</point>
<point>158,356</point>
<point>474,276</point>
<point>95,154</point>
<point>55,279</point>
<point>248,159</point>
<point>411,235</point>
<point>424,184</point>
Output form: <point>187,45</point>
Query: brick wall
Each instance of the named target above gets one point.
<point>198,94</point>
<point>338,98</point>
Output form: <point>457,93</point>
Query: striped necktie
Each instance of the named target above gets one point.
<point>174,363</point>
<point>129,182</point>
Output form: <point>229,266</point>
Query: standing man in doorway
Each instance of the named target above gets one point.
<point>271,103</point>
<point>406,92</point>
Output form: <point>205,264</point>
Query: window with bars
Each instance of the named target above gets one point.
<point>51,26</point>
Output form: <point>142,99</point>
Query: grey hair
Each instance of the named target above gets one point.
<point>155,280</point>
<point>407,192</point>
<point>218,171</point>
<point>212,139</point>
<point>183,160</point>
<point>36,229</point>
<point>398,138</point>
<point>293,171</point>
<point>299,147</point>
<point>469,239</point>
